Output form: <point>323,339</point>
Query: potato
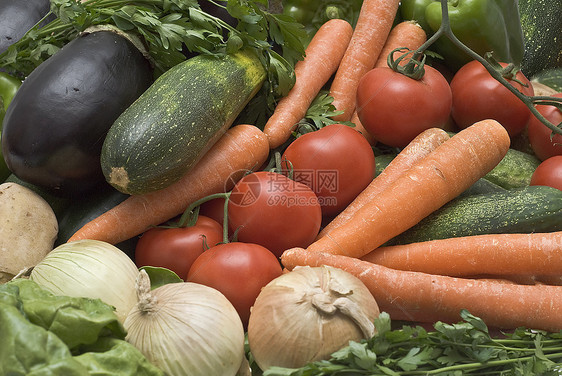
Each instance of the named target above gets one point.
<point>28,229</point>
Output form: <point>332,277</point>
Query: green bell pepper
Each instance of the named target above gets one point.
<point>8,87</point>
<point>313,13</point>
<point>482,25</point>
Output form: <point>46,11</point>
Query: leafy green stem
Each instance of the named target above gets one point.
<point>498,74</point>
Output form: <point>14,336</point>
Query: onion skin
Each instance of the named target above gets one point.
<point>187,329</point>
<point>92,269</point>
<point>287,328</point>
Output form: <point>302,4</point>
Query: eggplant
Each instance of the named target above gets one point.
<point>55,125</point>
<point>18,16</point>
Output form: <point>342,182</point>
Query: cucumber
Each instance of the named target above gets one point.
<point>157,139</point>
<point>541,22</point>
<point>482,186</point>
<point>514,170</point>
<point>524,210</point>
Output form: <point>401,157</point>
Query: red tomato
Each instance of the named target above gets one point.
<point>539,134</point>
<point>549,173</point>
<point>238,270</point>
<point>395,108</point>
<point>336,162</point>
<point>177,248</point>
<point>478,96</point>
<point>274,211</point>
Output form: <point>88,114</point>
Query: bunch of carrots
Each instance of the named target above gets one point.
<point>421,282</point>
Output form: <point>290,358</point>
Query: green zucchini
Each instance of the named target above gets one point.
<point>514,170</point>
<point>524,210</point>
<point>157,139</point>
<point>541,22</point>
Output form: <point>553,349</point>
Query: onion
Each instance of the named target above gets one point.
<point>186,328</point>
<point>307,314</point>
<point>91,269</point>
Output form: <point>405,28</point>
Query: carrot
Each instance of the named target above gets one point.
<point>361,129</point>
<point>408,34</point>
<point>494,254</point>
<point>416,150</point>
<point>241,148</point>
<point>429,184</point>
<point>371,31</point>
<point>322,58</point>
<point>416,296</point>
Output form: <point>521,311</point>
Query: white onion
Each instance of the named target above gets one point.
<point>186,329</point>
<point>92,269</point>
<point>307,314</point>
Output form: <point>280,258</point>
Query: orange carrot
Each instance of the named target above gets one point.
<point>494,254</point>
<point>408,34</point>
<point>241,148</point>
<point>370,34</point>
<point>361,129</point>
<point>416,296</point>
<point>429,184</point>
<point>322,58</point>
<point>416,150</point>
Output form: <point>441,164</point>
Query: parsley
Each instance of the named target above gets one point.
<point>464,348</point>
<point>319,114</point>
<point>168,28</point>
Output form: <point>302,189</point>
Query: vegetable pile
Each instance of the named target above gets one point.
<point>253,187</point>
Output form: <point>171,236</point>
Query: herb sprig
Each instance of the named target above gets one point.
<point>168,28</point>
<point>464,348</point>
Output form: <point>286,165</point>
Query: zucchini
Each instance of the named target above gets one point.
<point>541,22</point>
<point>525,210</point>
<point>54,127</point>
<point>170,126</point>
<point>514,170</point>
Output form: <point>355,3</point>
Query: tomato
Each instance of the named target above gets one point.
<point>238,270</point>
<point>549,173</point>
<point>539,134</point>
<point>274,211</point>
<point>395,108</point>
<point>336,162</point>
<point>177,248</point>
<point>478,96</point>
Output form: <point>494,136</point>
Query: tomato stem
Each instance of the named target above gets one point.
<point>499,74</point>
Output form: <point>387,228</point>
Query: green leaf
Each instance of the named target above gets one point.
<point>160,276</point>
<point>75,321</point>
<point>28,349</point>
<point>115,357</point>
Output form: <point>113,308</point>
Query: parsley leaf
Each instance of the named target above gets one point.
<point>463,348</point>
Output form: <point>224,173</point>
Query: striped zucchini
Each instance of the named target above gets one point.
<point>171,125</point>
